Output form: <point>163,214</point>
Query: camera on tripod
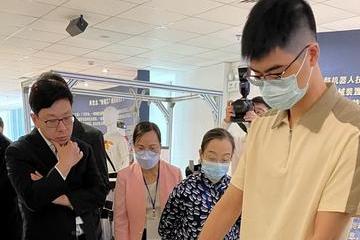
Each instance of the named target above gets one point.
<point>242,105</point>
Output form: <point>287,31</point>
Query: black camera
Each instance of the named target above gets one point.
<point>242,105</point>
<point>120,124</point>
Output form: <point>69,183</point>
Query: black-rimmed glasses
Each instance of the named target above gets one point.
<point>258,80</point>
<point>54,123</point>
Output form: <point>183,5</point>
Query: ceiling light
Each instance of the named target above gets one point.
<point>23,58</point>
<point>105,70</point>
<point>162,27</point>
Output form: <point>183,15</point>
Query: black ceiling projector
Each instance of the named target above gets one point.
<point>76,26</point>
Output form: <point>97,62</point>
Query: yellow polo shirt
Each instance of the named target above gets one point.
<point>288,175</point>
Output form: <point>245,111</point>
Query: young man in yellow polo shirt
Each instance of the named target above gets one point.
<point>299,178</point>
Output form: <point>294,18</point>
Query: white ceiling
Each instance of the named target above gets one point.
<point>125,35</point>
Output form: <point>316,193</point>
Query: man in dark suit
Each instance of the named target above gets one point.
<point>90,135</point>
<point>55,176</point>
<point>11,224</point>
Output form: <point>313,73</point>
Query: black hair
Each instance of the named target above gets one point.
<point>260,100</point>
<point>1,123</point>
<point>217,133</point>
<point>145,127</point>
<point>52,76</point>
<point>275,23</point>
<point>48,89</point>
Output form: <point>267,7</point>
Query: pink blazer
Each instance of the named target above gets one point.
<point>130,198</point>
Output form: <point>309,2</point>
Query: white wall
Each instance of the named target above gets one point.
<point>155,115</point>
<point>192,119</point>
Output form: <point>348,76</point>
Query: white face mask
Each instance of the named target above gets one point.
<point>284,93</point>
<point>147,159</point>
<point>214,171</point>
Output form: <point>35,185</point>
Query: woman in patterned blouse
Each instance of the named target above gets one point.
<point>191,201</point>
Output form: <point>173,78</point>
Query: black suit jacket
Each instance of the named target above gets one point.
<point>11,223</point>
<point>84,187</point>
<point>95,139</point>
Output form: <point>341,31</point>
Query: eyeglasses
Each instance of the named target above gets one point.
<point>258,80</point>
<point>54,123</point>
<point>215,159</point>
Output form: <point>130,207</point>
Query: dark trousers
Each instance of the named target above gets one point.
<point>81,237</point>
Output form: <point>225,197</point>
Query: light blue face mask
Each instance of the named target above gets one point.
<point>147,159</point>
<point>284,93</point>
<point>214,171</point>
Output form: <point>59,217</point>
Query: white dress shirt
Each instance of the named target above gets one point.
<point>78,219</point>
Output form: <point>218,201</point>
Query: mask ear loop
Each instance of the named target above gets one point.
<point>302,63</point>
<point>311,71</point>
<point>134,156</point>
<point>307,82</point>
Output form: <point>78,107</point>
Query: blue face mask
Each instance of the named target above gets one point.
<point>147,159</point>
<point>214,171</point>
<point>284,93</point>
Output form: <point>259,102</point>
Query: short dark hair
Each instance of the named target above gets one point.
<point>1,123</point>
<point>275,23</point>
<point>48,89</point>
<point>260,100</point>
<point>217,133</point>
<point>145,127</point>
<point>52,76</point>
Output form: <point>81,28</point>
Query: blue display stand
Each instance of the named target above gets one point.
<point>339,61</point>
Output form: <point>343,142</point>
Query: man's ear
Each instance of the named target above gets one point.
<point>314,53</point>
<point>35,119</point>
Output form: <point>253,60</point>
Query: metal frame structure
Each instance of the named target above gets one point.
<point>212,97</point>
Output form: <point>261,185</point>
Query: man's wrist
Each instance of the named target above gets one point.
<point>63,169</point>
<point>68,203</point>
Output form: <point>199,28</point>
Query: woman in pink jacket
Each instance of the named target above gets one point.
<point>142,189</point>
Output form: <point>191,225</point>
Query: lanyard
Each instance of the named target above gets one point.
<point>153,201</point>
